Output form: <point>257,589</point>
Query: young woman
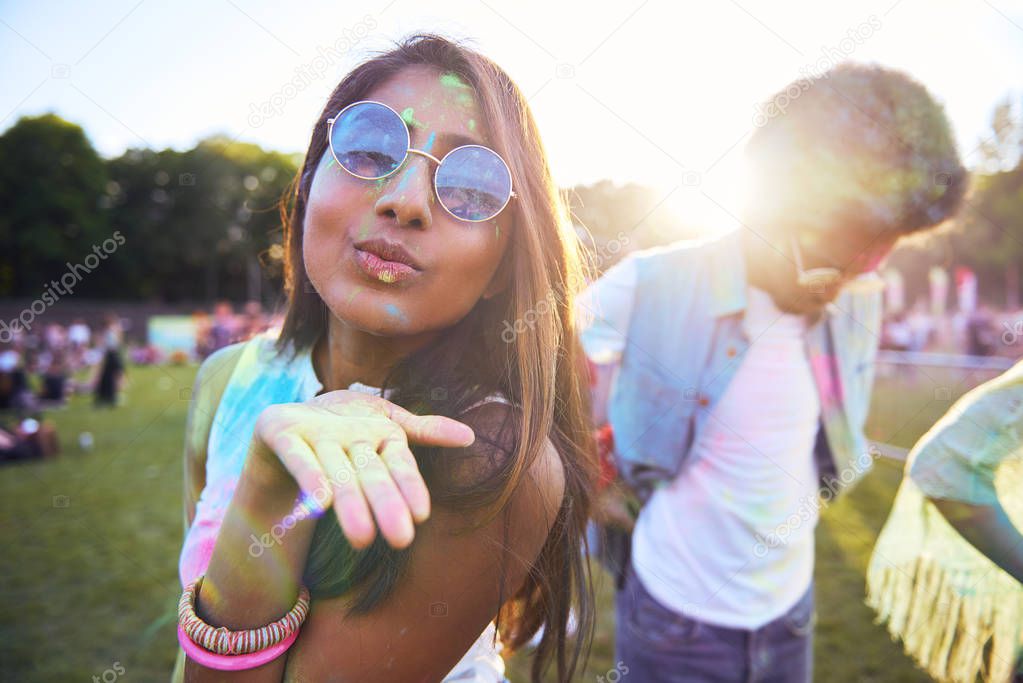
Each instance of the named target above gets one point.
<point>430,271</point>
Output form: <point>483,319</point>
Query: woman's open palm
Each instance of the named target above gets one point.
<point>350,451</point>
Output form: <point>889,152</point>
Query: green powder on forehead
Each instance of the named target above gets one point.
<point>472,124</point>
<point>408,115</point>
<point>452,80</point>
<point>461,89</point>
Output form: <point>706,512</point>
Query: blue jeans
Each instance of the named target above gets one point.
<point>659,645</point>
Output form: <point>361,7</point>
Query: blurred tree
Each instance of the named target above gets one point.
<point>987,235</point>
<point>202,219</point>
<point>1001,150</point>
<point>197,225</point>
<point>52,184</point>
<point>991,235</point>
<point>611,212</point>
<point>202,224</point>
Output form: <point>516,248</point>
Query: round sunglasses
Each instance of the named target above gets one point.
<point>370,140</point>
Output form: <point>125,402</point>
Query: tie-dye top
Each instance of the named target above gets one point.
<point>261,378</point>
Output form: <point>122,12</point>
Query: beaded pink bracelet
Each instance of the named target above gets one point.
<point>221,641</point>
<point>212,660</point>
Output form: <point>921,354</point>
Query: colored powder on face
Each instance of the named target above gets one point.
<point>461,90</point>
<point>452,80</point>
<point>429,141</point>
<point>408,115</point>
<point>364,228</point>
<point>386,277</point>
<point>354,292</point>
<point>395,312</point>
<point>403,183</point>
<point>472,124</point>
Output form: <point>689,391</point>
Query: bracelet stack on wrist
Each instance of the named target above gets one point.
<point>220,648</point>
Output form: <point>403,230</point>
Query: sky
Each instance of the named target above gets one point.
<point>658,92</point>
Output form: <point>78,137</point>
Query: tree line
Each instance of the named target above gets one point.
<point>204,224</point>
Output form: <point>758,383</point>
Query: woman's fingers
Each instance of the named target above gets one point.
<point>349,503</point>
<point>385,500</point>
<point>364,484</point>
<point>432,430</point>
<point>299,459</point>
<point>405,472</point>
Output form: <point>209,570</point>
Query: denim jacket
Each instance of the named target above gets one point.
<point>678,340</point>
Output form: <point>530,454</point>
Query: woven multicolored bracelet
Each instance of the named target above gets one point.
<point>224,642</point>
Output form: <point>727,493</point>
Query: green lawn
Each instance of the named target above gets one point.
<point>90,543</point>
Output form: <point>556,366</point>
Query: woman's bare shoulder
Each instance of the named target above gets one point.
<point>497,426</point>
<point>548,472</point>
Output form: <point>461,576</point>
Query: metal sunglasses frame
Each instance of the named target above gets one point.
<point>810,278</point>
<point>409,150</point>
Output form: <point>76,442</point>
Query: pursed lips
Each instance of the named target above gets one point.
<point>386,261</point>
<point>388,251</point>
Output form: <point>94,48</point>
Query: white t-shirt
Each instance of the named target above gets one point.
<point>730,540</point>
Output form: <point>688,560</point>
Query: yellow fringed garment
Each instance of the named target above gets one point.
<point>958,615</point>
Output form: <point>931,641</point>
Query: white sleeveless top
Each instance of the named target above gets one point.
<point>261,378</point>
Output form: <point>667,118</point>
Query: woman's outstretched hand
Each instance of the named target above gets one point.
<point>350,451</point>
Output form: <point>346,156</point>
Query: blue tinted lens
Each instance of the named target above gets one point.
<point>369,140</point>
<point>473,183</point>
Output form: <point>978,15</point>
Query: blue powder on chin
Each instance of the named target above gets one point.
<point>394,311</point>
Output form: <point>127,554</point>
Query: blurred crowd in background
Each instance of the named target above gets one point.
<point>40,369</point>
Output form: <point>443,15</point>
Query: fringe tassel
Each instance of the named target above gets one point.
<point>946,631</point>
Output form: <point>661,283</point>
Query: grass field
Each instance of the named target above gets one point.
<point>90,542</point>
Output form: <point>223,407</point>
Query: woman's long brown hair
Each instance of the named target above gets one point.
<point>538,370</point>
